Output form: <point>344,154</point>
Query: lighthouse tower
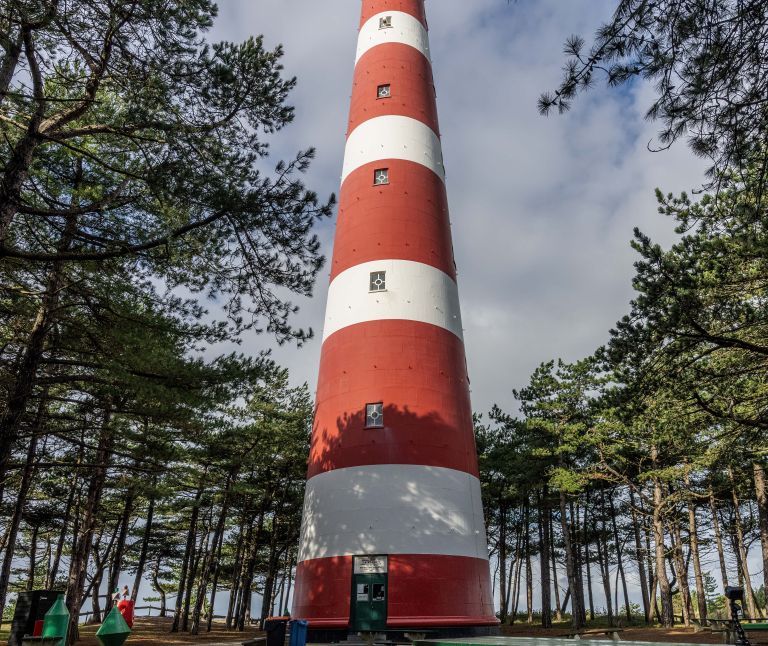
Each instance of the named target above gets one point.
<point>393,535</point>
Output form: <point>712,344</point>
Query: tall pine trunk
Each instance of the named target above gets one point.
<point>503,602</point>
<point>667,617</point>
<point>144,543</point>
<point>698,575</point>
<point>749,594</point>
<point>79,561</point>
<point>570,566</point>
<point>761,493</point>
<point>18,508</point>
<point>528,571</point>
<point>544,549</point>
<point>555,578</point>
<point>620,561</point>
<point>188,555</point>
<point>640,558</point>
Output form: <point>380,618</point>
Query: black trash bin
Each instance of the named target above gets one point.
<point>275,629</point>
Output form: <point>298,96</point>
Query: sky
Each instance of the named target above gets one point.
<point>543,208</point>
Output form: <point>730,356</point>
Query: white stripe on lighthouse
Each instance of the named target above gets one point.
<point>405,29</point>
<point>393,509</point>
<point>393,137</point>
<point>414,292</point>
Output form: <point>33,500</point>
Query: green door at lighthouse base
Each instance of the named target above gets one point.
<point>369,594</point>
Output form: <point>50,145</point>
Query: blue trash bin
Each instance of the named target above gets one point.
<point>299,632</point>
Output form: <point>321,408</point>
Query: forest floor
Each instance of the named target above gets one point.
<point>155,632</point>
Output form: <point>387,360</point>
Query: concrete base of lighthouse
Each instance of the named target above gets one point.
<point>401,597</point>
<point>402,636</point>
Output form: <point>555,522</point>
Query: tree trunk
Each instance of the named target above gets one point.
<point>749,594</point>
<point>667,612</point>
<point>18,509</point>
<point>158,587</point>
<point>54,571</point>
<point>528,572</point>
<point>503,604</point>
<point>79,561</point>
<point>620,561</point>
<point>555,578</point>
<point>290,578</point>
<point>570,565</point>
<point>718,538</point>
<point>188,554</point>
<point>117,558</point>
<point>144,544</point>
<point>682,571</point>
<point>693,539</point>
<point>32,559</point>
<point>640,559</point>
<point>211,567</point>
<point>579,539</point>
<point>761,492</point>
<point>234,591</point>
<point>605,574</point>
<point>200,553</point>
<point>544,549</point>
<point>516,587</point>
<point>588,565</point>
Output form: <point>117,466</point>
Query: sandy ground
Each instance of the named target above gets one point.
<point>155,632</point>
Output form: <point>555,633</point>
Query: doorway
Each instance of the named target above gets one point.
<point>369,594</point>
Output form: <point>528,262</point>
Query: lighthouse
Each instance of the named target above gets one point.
<point>393,536</point>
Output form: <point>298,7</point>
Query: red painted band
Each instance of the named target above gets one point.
<point>413,7</point>
<point>411,86</point>
<point>423,590</point>
<point>419,371</point>
<point>406,219</point>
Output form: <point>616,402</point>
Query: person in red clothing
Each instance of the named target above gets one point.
<point>125,606</point>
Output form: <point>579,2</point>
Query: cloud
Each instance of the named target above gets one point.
<point>542,208</point>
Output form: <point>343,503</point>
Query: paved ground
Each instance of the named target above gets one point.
<point>678,635</point>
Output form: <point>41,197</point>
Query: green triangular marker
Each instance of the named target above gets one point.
<point>56,621</point>
<point>114,631</point>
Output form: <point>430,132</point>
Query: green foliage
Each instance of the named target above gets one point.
<point>706,59</point>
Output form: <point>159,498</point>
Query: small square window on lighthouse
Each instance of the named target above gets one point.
<point>378,281</point>
<point>385,22</point>
<point>374,415</point>
<point>381,176</point>
<point>384,91</point>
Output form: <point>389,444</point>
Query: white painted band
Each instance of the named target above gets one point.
<point>405,29</point>
<point>393,509</point>
<point>393,137</point>
<point>414,292</point>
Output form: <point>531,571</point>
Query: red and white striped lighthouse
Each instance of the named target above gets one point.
<point>393,533</point>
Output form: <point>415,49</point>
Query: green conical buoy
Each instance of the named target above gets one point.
<point>114,631</point>
<point>56,621</point>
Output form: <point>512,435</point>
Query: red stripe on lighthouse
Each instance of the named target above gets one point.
<point>411,88</point>
<point>406,219</point>
<point>418,371</point>
<point>424,590</point>
<point>412,7</point>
